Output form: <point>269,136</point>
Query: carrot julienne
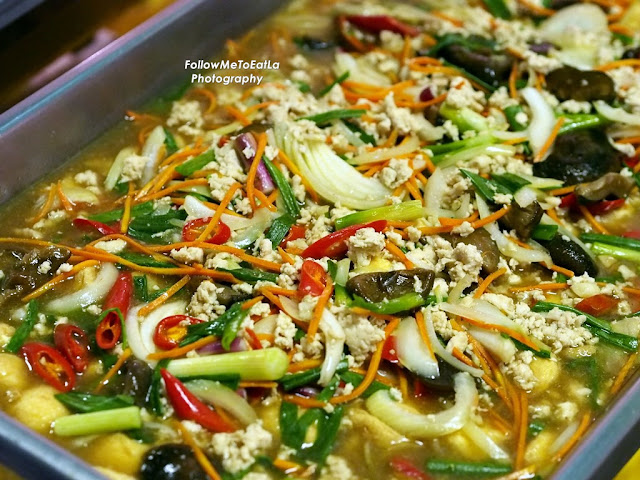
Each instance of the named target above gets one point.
<point>113,370</point>
<point>148,308</point>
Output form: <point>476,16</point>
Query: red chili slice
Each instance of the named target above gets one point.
<point>313,278</point>
<point>389,350</point>
<point>378,23</point>
<point>605,206</point>
<point>50,365</point>
<point>193,228</point>
<point>295,232</point>
<point>632,234</point>
<point>109,330</point>
<point>404,467</point>
<point>86,224</point>
<point>171,330</point>
<point>597,304</point>
<point>72,341</point>
<point>334,244</point>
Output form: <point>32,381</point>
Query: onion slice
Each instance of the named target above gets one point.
<point>542,118</point>
<point>225,398</point>
<point>333,345</point>
<point>412,352</point>
<point>616,114</point>
<point>416,425</point>
<point>88,295</point>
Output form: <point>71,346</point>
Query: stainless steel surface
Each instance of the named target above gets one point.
<point>34,457</point>
<point>43,131</point>
<point>610,442</point>
<point>11,10</point>
<point>46,129</point>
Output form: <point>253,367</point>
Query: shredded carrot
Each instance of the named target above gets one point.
<point>253,338</point>
<point>304,402</point>
<point>422,329</point>
<point>210,96</point>
<point>319,309</point>
<point>538,10</point>
<point>250,303</point>
<point>47,204</point>
<point>183,154</point>
<point>487,281</point>
<point>113,370</point>
<point>181,351</point>
<point>296,171</point>
<point>522,430</point>
<point>631,290</point>
<point>126,214</point>
<point>251,176</point>
<point>564,271</point>
<point>287,466</point>
<point>403,383</point>
<point>273,299</point>
<point>513,76</point>
<point>257,384</point>
<point>279,290</point>
<point>500,328</point>
<point>490,219</point>
<point>175,288</point>
<point>554,216</point>
<point>395,250</point>
<point>562,191</point>
<point>372,370</point>
<point>213,224</point>
<point>527,472</point>
<point>59,279</point>
<point>285,256</point>
<point>238,115</point>
<point>627,62</point>
<point>540,286</point>
<point>264,200</point>
<point>457,221</point>
<point>462,357</point>
<point>592,220</point>
<point>172,188</point>
<point>584,424</point>
<point>202,459</point>
<point>622,375</point>
<point>549,142</point>
<point>304,365</point>
<point>451,20</point>
<point>66,203</point>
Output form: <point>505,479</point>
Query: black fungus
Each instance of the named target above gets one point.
<point>580,156</point>
<point>135,380</point>
<point>483,62</point>
<point>482,240</point>
<point>568,83</point>
<point>23,268</point>
<point>630,53</point>
<point>377,287</point>
<point>522,219</point>
<point>171,462</point>
<point>568,254</point>
<point>311,44</point>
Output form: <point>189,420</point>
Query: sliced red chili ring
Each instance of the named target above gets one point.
<point>334,244</point>
<point>193,228</point>
<point>86,224</point>
<point>597,304</point>
<point>50,365</point>
<point>171,330</point>
<point>295,232</point>
<point>73,342</point>
<point>313,278</point>
<point>109,330</point>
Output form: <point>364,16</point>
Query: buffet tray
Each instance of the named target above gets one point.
<point>46,129</point>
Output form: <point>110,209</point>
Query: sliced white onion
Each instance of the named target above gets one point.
<point>77,194</point>
<point>470,153</point>
<point>290,307</point>
<point>501,347</point>
<point>435,190</point>
<point>332,177</point>
<point>151,149</point>
<point>116,167</point>
<point>416,425</point>
<point>381,154</point>
<point>90,294</point>
<point>260,221</point>
<point>412,352</point>
<point>442,352</point>
<point>196,209</point>
<point>616,114</point>
<point>266,324</point>
<point>225,398</point>
<point>562,26</point>
<point>333,345</point>
<point>507,247</point>
<point>359,70</point>
<point>525,196</point>
<point>461,286</point>
<point>564,437</point>
<point>542,118</point>
<point>140,330</point>
<point>483,441</point>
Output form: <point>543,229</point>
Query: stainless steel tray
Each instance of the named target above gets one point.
<point>52,125</point>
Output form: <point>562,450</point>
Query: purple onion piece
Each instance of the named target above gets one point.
<point>214,348</point>
<point>426,95</point>
<point>242,392</point>
<point>307,391</point>
<point>541,48</point>
<point>263,182</point>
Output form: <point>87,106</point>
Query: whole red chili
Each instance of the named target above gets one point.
<point>188,407</point>
<point>73,342</point>
<point>50,365</point>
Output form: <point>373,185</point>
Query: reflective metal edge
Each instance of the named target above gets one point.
<point>610,442</point>
<point>54,123</point>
